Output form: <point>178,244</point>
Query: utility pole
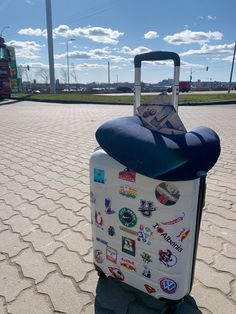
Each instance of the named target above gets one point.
<point>232,69</point>
<point>50,46</point>
<point>108,69</point>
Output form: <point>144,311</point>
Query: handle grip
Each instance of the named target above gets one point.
<point>156,56</point>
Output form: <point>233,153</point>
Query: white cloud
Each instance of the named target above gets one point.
<point>96,34</point>
<point>26,49</point>
<point>151,35</point>
<point>211,17</point>
<point>102,53</point>
<point>188,37</point>
<point>135,51</point>
<point>209,50</point>
<point>32,32</point>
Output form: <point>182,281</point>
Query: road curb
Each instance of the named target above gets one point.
<point>226,102</point>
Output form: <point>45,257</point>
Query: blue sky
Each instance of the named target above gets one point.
<point>202,32</point>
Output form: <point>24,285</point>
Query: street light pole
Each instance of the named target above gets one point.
<point>50,46</point>
<point>67,61</point>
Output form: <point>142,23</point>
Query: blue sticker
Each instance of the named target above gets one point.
<point>99,175</point>
<point>169,286</point>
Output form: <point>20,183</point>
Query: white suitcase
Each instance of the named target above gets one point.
<point>145,231</point>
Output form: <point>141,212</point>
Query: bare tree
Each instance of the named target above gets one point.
<point>73,73</point>
<point>63,75</point>
<point>43,73</point>
<point>22,72</point>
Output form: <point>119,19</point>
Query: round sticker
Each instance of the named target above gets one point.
<point>167,193</point>
<point>168,285</point>
<point>127,217</point>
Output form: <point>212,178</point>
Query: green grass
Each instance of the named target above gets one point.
<point>88,98</point>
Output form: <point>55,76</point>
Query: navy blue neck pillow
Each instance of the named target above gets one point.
<point>163,157</point>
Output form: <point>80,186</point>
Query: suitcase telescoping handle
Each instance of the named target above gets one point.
<point>156,56</point>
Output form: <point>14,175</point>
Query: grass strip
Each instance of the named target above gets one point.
<point>124,99</point>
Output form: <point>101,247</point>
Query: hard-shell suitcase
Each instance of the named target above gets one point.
<point>145,231</point>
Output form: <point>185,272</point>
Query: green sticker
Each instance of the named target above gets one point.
<point>127,217</point>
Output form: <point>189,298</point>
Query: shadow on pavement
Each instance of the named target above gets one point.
<point>5,102</point>
<point>113,297</point>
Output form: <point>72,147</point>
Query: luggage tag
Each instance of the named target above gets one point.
<point>161,116</point>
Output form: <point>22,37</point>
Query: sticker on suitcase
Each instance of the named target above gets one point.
<point>128,263</point>
<point>168,285</point>
<point>98,256</point>
<point>167,258</point>
<point>99,175</point>
<point>108,208</point>
<point>145,235</point>
<point>149,289</point>
<point>167,193</point>
<point>127,217</point>
<point>146,208</point>
<point>146,272</point>
<point>127,191</point>
<point>128,246</point>
<point>116,273</point>
<point>174,221</point>
<point>127,175</point>
<point>98,219</point>
<point>111,254</point>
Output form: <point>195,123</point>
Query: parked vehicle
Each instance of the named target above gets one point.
<point>184,87</point>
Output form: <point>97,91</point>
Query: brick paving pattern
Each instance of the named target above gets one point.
<point>45,236</point>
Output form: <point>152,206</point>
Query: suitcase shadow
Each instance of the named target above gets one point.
<point>113,297</point>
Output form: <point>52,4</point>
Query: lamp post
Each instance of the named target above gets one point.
<point>67,59</point>
<point>3,29</point>
<point>50,46</point>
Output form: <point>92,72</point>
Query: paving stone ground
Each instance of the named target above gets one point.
<point>45,236</point>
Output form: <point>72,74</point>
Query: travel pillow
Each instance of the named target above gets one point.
<point>163,157</point>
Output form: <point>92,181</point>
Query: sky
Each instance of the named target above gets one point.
<point>202,32</point>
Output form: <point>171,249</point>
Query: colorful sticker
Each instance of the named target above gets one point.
<point>146,258</point>
<point>116,273</point>
<point>146,272</point>
<point>174,221</point>
<point>128,230</point>
<point>167,258</point>
<point>99,175</point>
<point>183,234</point>
<point>168,285</point>
<point>167,193</point>
<point>168,239</point>
<point>101,241</point>
<point>145,234</point>
<point>149,289</point>
<point>158,227</point>
<point>127,217</point>
<point>92,198</point>
<point>128,191</point>
<point>98,219</point>
<point>146,208</point>
<point>111,231</point>
<point>108,208</point>
<point>111,254</point>
<point>128,263</point>
<point>127,175</point>
<point>128,246</point>
<point>98,256</point>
